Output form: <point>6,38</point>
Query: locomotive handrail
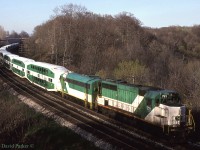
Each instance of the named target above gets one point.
<point>190,121</point>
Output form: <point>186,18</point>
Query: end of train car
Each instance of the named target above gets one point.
<point>165,108</point>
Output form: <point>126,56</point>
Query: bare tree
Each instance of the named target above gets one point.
<point>2,32</point>
<point>24,34</point>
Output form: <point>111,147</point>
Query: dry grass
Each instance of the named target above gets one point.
<point>20,124</point>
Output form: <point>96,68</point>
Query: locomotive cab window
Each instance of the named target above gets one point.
<point>170,99</point>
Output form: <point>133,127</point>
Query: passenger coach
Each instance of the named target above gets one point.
<point>2,54</point>
<point>8,60</point>
<point>45,75</point>
<point>19,65</point>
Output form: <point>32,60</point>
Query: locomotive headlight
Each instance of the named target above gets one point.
<point>177,118</point>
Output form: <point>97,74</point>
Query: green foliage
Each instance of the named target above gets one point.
<point>131,71</point>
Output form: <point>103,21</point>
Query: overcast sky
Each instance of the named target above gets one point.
<point>24,15</point>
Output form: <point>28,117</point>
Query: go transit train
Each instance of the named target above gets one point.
<point>153,105</point>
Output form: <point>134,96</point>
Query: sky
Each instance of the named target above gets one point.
<point>25,15</point>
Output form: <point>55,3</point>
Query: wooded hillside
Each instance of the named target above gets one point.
<point>120,47</point>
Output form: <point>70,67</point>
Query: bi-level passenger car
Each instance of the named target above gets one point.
<point>45,75</point>
<point>19,66</point>
<point>8,60</point>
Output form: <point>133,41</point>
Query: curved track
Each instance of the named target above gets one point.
<point>117,134</point>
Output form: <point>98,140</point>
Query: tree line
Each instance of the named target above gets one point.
<point>120,47</point>
<point>5,34</point>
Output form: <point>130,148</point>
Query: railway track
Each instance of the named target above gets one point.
<point>106,130</point>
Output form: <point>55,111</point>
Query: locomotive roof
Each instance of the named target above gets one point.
<point>141,87</point>
<point>81,78</point>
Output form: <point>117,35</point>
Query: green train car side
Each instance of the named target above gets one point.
<point>154,105</point>
<point>81,86</point>
<point>19,66</point>
<point>45,75</point>
<point>8,60</point>
<point>120,95</point>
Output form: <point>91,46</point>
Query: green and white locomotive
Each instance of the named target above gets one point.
<point>81,86</point>
<point>153,105</point>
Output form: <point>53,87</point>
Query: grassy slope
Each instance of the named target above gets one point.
<point>20,124</point>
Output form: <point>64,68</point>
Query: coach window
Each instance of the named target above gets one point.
<point>28,72</point>
<point>50,80</point>
<point>23,70</point>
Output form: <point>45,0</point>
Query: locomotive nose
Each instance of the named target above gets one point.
<point>182,114</point>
